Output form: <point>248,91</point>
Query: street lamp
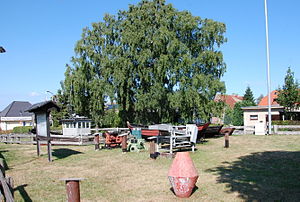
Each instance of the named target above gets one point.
<point>2,50</point>
<point>53,96</point>
<point>268,70</point>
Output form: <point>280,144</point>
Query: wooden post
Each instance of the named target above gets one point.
<point>171,144</point>
<point>10,183</point>
<point>38,146</point>
<point>72,189</point>
<point>124,143</point>
<point>2,166</point>
<point>48,138</point>
<point>152,150</point>
<point>275,129</point>
<point>96,141</point>
<point>226,140</point>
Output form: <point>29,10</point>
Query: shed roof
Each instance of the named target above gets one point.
<point>76,119</point>
<point>262,107</point>
<point>43,106</point>
<point>16,109</point>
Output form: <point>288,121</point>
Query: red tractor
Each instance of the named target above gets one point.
<point>112,140</point>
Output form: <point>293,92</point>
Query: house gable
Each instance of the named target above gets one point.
<point>16,109</point>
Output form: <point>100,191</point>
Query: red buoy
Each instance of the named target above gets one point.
<point>183,175</point>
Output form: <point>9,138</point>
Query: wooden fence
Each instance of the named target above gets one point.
<point>277,129</point>
<point>55,139</point>
<point>287,129</point>
<point>241,130</point>
<point>18,138</point>
<point>6,184</point>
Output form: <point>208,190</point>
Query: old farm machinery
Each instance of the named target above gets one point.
<point>169,138</point>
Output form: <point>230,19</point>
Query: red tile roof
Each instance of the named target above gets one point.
<point>229,99</point>
<point>264,100</point>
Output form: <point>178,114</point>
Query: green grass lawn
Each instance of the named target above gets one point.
<point>254,168</point>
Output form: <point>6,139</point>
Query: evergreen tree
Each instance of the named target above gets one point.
<point>289,94</point>
<point>238,113</point>
<point>248,96</point>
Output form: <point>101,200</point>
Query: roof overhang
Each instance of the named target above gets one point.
<point>263,108</point>
<point>24,118</point>
<point>43,107</point>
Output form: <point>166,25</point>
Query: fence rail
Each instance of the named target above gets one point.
<point>241,130</point>
<point>18,138</point>
<point>6,183</point>
<point>276,129</point>
<point>55,139</point>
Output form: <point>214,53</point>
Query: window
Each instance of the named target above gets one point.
<point>87,125</point>
<point>253,117</point>
<point>83,124</point>
<point>79,124</point>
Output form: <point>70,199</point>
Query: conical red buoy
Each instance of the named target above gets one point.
<point>183,175</point>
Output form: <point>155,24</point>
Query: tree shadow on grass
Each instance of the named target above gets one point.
<point>4,162</point>
<point>64,153</point>
<point>23,192</point>
<point>263,176</point>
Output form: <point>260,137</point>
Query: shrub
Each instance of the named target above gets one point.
<point>286,122</point>
<point>59,127</point>
<point>22,129</point>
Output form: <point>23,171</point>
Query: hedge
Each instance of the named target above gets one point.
<point>286,122</point>
<point>22,129</point>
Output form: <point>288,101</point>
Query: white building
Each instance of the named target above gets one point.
<point>76,126</point>
<point>15,115</point>
<point>257,116</point>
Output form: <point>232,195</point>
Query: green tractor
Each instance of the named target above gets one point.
<point>136,143</point>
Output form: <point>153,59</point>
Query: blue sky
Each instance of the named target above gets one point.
<point>39,37</point>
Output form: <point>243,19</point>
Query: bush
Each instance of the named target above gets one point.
<point>56,128</point>
<point>22,129</point>
<point>286,122</point>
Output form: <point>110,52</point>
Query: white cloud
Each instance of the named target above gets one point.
<point>34,94</point>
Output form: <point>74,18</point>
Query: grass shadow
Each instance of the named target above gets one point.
<point>64,153</point>
<point>5,166</point>
<point>23,192</point>
<point>263,176</point>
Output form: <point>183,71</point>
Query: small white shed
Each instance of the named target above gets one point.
<point>76,126</point>
<point>257,116</point>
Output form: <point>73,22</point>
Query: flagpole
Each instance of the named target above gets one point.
<point>268,70</point>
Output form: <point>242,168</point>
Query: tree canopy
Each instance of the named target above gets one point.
<point>156,63</point>
<point>238,113</point>
<point>289,93</point>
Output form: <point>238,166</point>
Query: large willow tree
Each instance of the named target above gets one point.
<point>157,63</point>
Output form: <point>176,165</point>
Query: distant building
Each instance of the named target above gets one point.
<point>230,101</point>
<point>274,96</point>
<point>257,116</point>
<point>76,126</point>
<point>15,115</point>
